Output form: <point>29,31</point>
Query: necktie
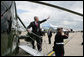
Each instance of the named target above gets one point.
<point>37,24</point>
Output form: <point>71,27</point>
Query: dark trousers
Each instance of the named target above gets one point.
<point>39,44</point>
<point>33,44</point>
<point>59,50</point>
<point>57,54</point>
<point>49,39</point>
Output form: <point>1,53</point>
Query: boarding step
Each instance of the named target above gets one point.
<point>30,50</point>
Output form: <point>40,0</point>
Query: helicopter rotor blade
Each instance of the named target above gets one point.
<point>55,6</point>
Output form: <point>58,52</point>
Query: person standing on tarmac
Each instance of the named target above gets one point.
<point>58,43</point>
<point>35,25</point>
<point>49,36</point>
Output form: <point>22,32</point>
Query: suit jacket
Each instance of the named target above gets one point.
<point>59,38</point>
<point>49,33</point>
<point>36,29</point>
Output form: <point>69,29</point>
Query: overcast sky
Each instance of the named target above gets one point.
<point>27,11</point>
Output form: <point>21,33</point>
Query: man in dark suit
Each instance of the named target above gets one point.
<point>36,29</point>
<point>49,36</point>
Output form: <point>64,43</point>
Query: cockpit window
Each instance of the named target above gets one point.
<point>3,8</point>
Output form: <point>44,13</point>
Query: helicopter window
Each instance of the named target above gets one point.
<point>8,4</point>
<point>3,8</point>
